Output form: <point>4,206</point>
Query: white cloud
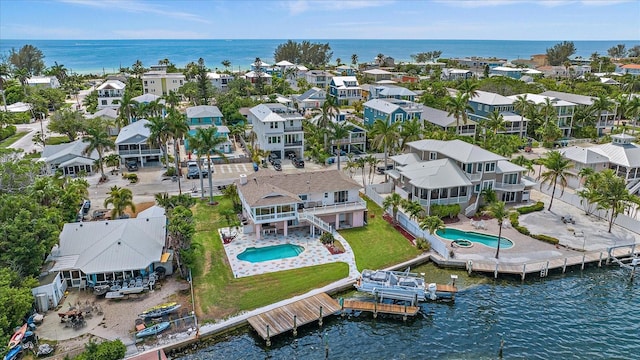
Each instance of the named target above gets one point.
<point>139,7</point>
<point>300,6</point>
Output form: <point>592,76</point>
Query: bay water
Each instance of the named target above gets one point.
<point>107,56</point>
<point>591,314</point>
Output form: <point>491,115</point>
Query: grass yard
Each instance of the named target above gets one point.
<point>219,295</point>
<point>13,138</point>
<point>57,140</point>
<point>378,244</point>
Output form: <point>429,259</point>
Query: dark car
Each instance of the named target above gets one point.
<point>86,205</point>
<point>290,154</point>
<point>131,165</point>
<point>277,166</point>
<point>299,163</point>
<point>380,169</point>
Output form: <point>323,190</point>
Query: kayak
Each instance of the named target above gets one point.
<point>17,336</point>
<point>153,330</point>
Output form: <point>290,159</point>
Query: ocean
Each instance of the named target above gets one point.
<point>106,56</point>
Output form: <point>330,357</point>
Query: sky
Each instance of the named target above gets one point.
<point>320,19</point>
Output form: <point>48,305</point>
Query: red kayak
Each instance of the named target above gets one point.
<point>17,336</point>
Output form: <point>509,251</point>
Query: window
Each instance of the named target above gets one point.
<point>463,191</point>
<point>340,196</point>
<point>454,192</point>
<point>303,197</point>
<point>476,189</point>
<point>398,117</point>
<point>487,184</point>
<point>273,125</point>
<point>510,178</point>
<point>274,140</point>
<point>326,195</point>
<point>433,156</point>
<point>479,167</point>
<point>509,197</point>
<point>104,102</point>
<point>490,167</point>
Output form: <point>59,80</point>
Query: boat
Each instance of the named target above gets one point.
<point>114,295</point>
<point>161,306</point>
<point>44,349</point>
<point>153,330</point>
<point>13,352</point>
<point>100,290</point>
<point>403,286</point>
<point>161,310</point>
<point>132,290</point>
<point>17,336</point>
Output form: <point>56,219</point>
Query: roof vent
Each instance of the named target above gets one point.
<point>119,243</point>
<point>147,219</point>
<point>243,179</point>
<point>106,223</point>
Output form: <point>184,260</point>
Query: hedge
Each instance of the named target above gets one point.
<point>539,206</point>
<point>546,238</point>
<point>442,211</point>
<point>7,131</point>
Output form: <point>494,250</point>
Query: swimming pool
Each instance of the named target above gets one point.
<point>266,253</point>
<point>484,239</point>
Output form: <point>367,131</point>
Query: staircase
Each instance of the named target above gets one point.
<point>634,187</point>
<point>317,222</point>
<point>471,209</point>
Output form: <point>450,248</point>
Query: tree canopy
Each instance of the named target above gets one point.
<point>560,52</point>
<point>29,58</point>
<point>306,52</point>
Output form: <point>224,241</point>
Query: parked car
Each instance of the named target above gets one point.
<point>299,163</point>
<point>290,154</point>
<point>86,205</point>
<point>131,165</point>
<point>277,166</point>
<point>193,172</point>
<point>273,157</point>
<point>380,169</point>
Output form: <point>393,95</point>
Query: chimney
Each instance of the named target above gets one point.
<point>243,179</point>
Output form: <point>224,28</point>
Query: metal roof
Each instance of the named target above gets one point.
<point>203,111</point>
<point>133,129</point>
<point>456,149</point>
<point>436,174</point>
<point>584,155</point>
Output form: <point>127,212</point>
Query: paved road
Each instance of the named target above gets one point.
<point>26,142</point>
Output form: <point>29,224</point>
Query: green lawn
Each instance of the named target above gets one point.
<point>57,140</point>
<point>378,244</point>
<point>35,155</point>
<point>13,138</point>
<point>220,295</point>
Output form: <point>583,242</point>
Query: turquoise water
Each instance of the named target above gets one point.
<point>578,315</point>
<point>487,240</point>
<point>267,253</point>
<point>96,56</point>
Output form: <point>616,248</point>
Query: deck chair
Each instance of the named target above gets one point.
<point>482,225</point>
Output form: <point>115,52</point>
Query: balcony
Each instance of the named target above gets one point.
<point>508,187</point>
<point>445,201</point>
<point>335,208</point>
<point>293,143</point>
<point>474,177</point>
<point>140,152</point>
<point>292,128</point>
<point>278,217</point>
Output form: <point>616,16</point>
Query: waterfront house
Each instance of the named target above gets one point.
<point>581,158</point>
<point>313,98</point>
<point>161,83</point>
<point>607,117</point>
<point>97,252</point>
<point>456,172</point>
<point>132,143</point>
<point>445,121</point>
<point>514,73</point>
<point>44,82</point>
<point>480,63</point>
<point>318,78</point>
<point>220,81</point>
<point>345,89</point>
<point>277,129</point>
<point>110,94</point>
<point>69,158</point>
<point>377,74</point>
<point>277,202</point>
<point>391,110</point>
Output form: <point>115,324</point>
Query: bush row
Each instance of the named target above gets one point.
<point>7,131</point>
<point>539,206</point>
<point>524,231</point>
<point>442,211</point>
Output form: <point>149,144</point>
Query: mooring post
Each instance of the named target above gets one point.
<point>268,338</point>
<point>404,317</point>
<point>524,271</point>
<point>600,261</point>
<point>582,267</point>
<point>342,307</point>
<point>375,309</point>
<point>320,320</point>
<point>295,325</point>
<point>564,266</point>
<point>501,348</point>
<point>495,273</point>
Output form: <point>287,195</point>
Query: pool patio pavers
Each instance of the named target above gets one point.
<point>315,253</point>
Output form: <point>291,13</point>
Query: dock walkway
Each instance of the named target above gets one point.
<point>375,308</point>
<point>289,317</point>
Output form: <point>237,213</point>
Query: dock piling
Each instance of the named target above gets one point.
<point>295,325</point>
<point>268,337</point>
<point>564,266</point>
<point>320,320</point>
<point>582,266</point>
<point>524,271</point>
<point>375,309</point>
<point>600,261</point>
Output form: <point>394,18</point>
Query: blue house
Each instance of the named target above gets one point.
<point>222,131</point>
<point>514,73</point>
<point>484,103</point>
<point>203,115</point>
<point>391,110</point>
<point>345,89</point>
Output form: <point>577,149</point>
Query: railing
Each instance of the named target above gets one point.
<point>316,221</point>
<point>285,215</point>
<point>109,95</point>
<point>471,209</point>
<point>140,152</point>
<point>325,209</point>
<point>508,187</point>
<point>293,143</point>
<point>402,192</point>
<point>474,177</point>
<point>444,201</point>
<point>292,128</point>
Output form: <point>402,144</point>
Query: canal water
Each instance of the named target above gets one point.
<point>591,314</point>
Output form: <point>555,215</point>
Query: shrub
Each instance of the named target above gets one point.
<point>546,238</point>
<point>326,238</point>
<point>7,131</point>
<point>423,244</point>
<point>442,211</point>
<point>133,178</point>
<point>539,206</point>
<point>171,171</point>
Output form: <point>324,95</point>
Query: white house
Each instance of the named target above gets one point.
<point>313,98</point>
<point>110,94</point>
<point>161,83</point>
<point>69,158</point>
<point>220,81</point>
<point>46,82</point>
<point>278,129</point>
<point>345,89</point>
<point>607,117</point>
<point>133,143</point>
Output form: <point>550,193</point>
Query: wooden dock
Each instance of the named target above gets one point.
<point>289,317</point>
<point>448,288</point>
<point>376,308</point>
<point>542,267</point>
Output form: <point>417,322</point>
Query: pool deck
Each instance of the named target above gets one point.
<point>315,253</point>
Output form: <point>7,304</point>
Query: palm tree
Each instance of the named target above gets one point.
<point>495,122</point>
<point>498,210</point>
<point>354,59</point>
<point>469,88</point>
<point>585,173</point>
<point>339,131</point>
<point>385,137</point>
<point>159,135</point>
<point>172,99</point>
<point>613,195</point>
<point>432,224</point>
<point>329,111</point>
<point>5,73</point>
<point>98,140</point>
<point>393,201</point>
<point>602,103</point>
<point>237,130</point>
<point>557,170</point>
<point>458,106</point>
<point>209,142</point>
<point>125,111</point>
<point>410,131</point>
<point>547,109</point>
<point>226,64</point>
<point>361,163</point>
<point>121,199</point>
<point>112,160</point>
<point>413,208</point>
<point>177,129</point>
<point>22,75</point>
<point>521,106</point>
<point>633,109</point>
<point>521,160</point>
<point>372,161</point>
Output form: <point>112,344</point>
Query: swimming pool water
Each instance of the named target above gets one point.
<point>266,253</point>
<point>484,239</point>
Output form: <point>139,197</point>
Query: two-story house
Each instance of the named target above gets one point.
<point>456,74</point>
<point>377,91</point>
<point>133,143</point>
<point>253,76</point>
<point>456,172</point>
<point>345,89</point>
<point>45,82</point>
<point>220,81</point>
<point>313,98</point>
<point>320,200</point>
<point>563,110</point>
<point>161,83</point>
<point>346,70</point>
<point>208,116</point>
<point>377,74</point>
<point>391,110</point>
<point>110,94</point>
<point>278,129</point>
<point>510,72</point>
<point>484,103</point>
<point>607,117</point>
<point>448,122</point>
<point>318,78</point>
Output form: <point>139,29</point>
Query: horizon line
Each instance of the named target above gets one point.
<point>303,39</point>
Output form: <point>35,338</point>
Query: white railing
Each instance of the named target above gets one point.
<point>403,193</point>
<point>413,228</point>
<point>474,177</point>
<point>140,152</point>
<point>332,208</point>
<point>290,215</point>
<point>471,209</point>
<point>444,201</point>
<point>508,187</point>
<point>316,221</point>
